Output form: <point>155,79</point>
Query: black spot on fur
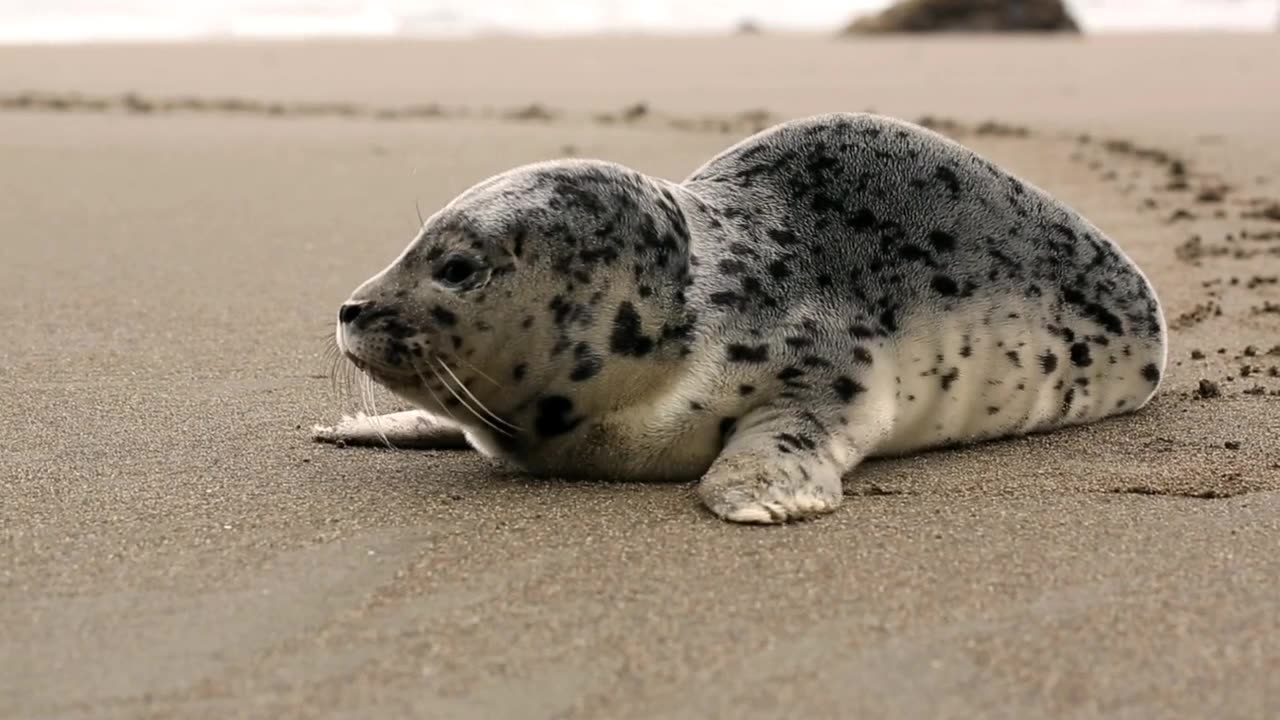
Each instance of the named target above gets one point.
<point>950,377</point>
<point>944,286</point>
<point>728,298</point>
<point>1151,373</point>
<point>1105,318</point>
<point>1048,362</point>
<point>627,338</point>
<point>754,288</point>
<point>862,219</point>
<point>444,316</point>
<point>745,390</point>
<point>846,387</point>
<point>948,178</point>
<point>783,237</point>
<point>748,353</point>
<point>942,241</point>
<point>861,355</point>
<point>588,364</point>
<point>913,253</point>
<point>560,309</point>
<point>1067,399</point>
<point>553,418</point>
<point>1080,355</point>
<point>823,203</point>
<point>397,329</point>
<point>889,320</point>
<point>1014,358</point>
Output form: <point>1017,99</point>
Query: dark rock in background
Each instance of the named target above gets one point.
<point>920,16</point>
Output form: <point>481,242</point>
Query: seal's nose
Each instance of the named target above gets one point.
<point>350,311</point>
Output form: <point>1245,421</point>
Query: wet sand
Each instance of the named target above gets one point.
<point>178,224</point>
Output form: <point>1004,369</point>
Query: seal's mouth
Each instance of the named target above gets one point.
<point>441,379</point>
<point>357,360</point>
<point>391,377</point>
<point>368,362</point>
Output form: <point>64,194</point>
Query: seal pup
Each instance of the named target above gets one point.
<point>826,290</point>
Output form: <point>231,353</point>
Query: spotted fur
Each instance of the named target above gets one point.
<point>829,289</point>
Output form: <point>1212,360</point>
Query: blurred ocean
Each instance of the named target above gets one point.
<point>67,21</point>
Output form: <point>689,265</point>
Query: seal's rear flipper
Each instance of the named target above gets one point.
<point>406,429</point>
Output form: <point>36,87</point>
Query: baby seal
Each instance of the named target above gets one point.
<point>829,289</point>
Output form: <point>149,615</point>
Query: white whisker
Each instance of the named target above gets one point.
<point>474,399</point>
<point>467,406</point>
<point>476,370</point>
<point>376,418</point>
<point>434,396</point>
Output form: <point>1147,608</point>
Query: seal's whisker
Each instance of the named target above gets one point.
<point>474,399</point>
<point>335,372</point>
<point>434,396</point>
<point>418,206</point>
<point>366,389</point>
<point>349,381</point>
<point>475,369</point>
<point>470,409</point>
<point>339,371</point>
<point>461,402</point>
<point>339,368</point>
<point>360,388</point>
<point>376,418</point>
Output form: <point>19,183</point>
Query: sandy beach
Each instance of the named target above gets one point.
<point>178,224</point>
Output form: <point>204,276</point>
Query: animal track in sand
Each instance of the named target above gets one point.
<point>1184,194</point>
<point>535,112</point>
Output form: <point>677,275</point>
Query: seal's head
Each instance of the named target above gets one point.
<point>540,282</point>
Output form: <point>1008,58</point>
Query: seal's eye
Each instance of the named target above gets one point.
<point>456,270</point>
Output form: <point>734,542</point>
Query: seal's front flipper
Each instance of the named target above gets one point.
<point>787,463</point>
<point>765,489</point>
<point>407,429</point>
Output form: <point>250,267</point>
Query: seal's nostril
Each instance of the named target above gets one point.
<point>350,311</point>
